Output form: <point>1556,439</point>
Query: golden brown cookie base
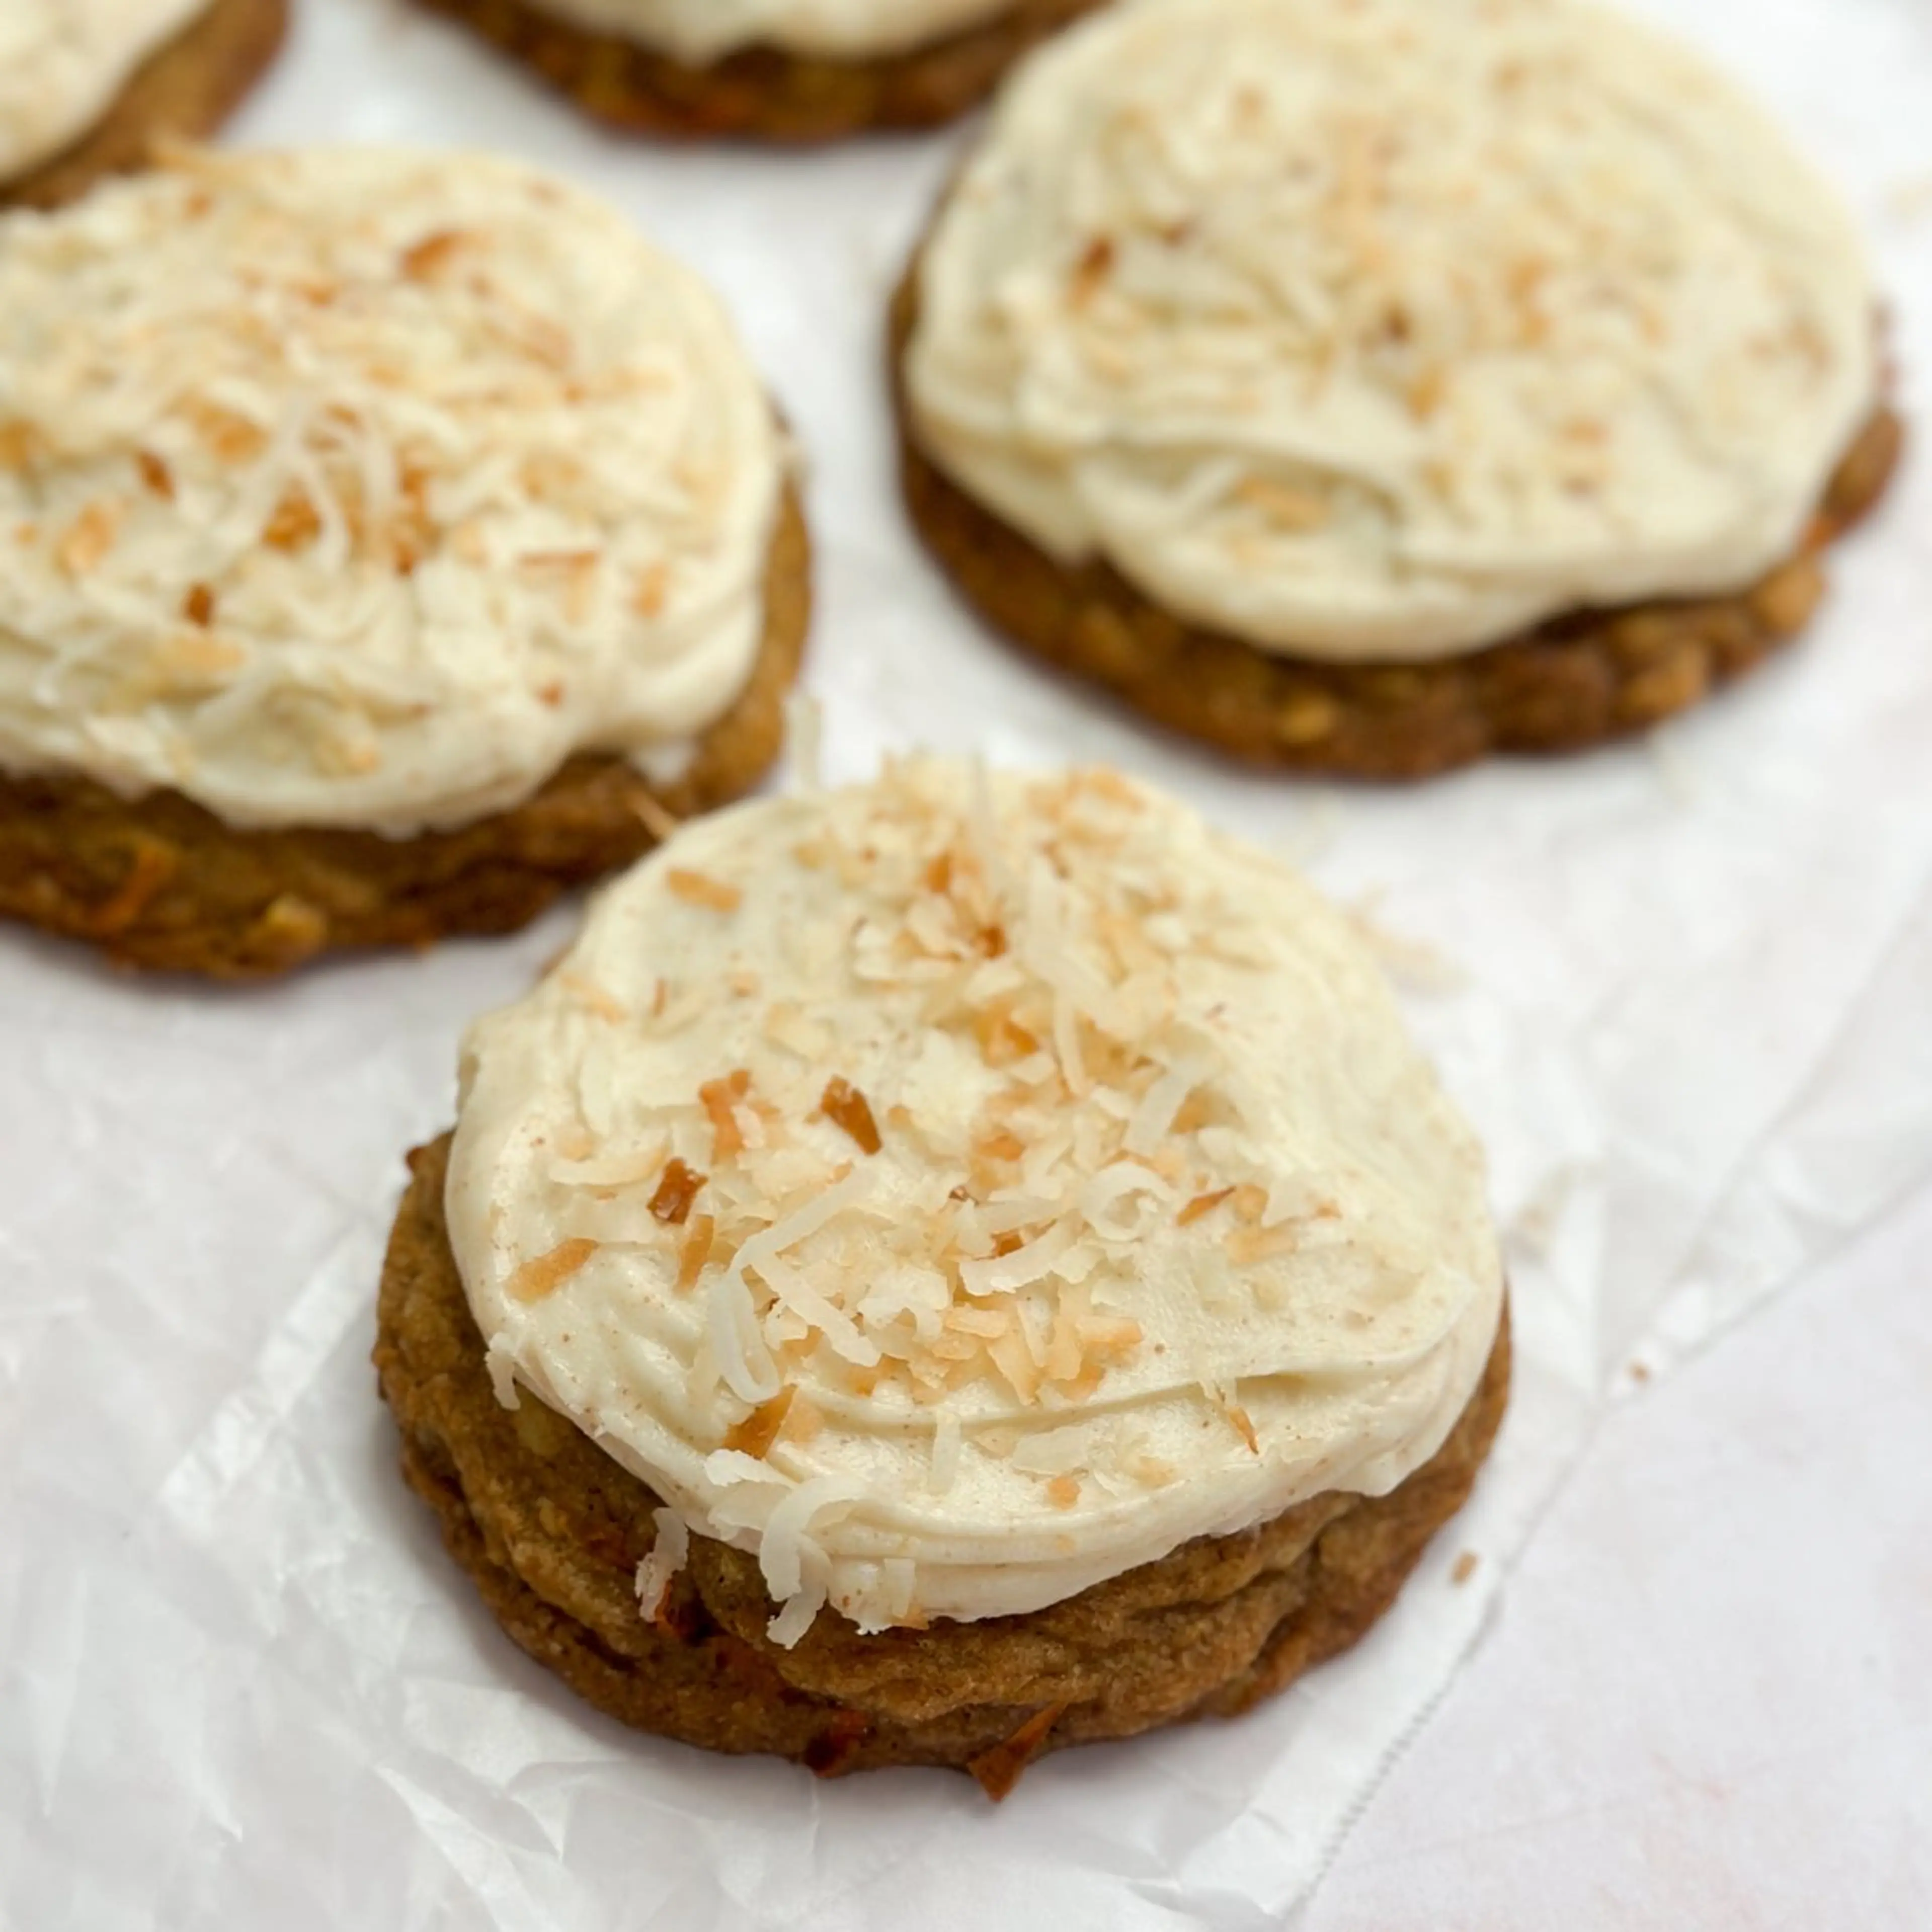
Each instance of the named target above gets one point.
<point>762,94</point>
<point>1581,680</point>
<point>158,882</point>
<point>185,91</point>
<point>552,1530</point>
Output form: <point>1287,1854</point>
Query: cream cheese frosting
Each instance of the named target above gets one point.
<point>700,31</point>
<point>63,61</point>
<point>1388,330</point>
<point>364,488</point>
<point>960,1190</point>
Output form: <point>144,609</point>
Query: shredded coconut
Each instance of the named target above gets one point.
<point>669,1555</point>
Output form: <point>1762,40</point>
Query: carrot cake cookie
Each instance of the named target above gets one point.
<point>393,541</point>
<point>89,87</point>
<point>1363,388</point>
<point>943,1270</point>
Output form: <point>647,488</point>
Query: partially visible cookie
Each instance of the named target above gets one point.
<point>944,1269</point>
<point>1445,379</point>
<point>398,541</point>
<point>768,70</point>
<point>93,87</point>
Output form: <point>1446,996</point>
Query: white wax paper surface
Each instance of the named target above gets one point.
<point>1684,988</point>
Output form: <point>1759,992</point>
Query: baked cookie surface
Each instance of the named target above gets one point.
<point>1522,423</point>
<point>692,70</point>
<point>947,1217</point>
<point>92,88</point>
<point>398,540</point>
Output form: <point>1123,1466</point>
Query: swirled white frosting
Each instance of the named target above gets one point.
<point>960,1192</point>
<point>364,488</point>
<point>699,32</point>
<point>63,61</point>
<point>1387,330</point>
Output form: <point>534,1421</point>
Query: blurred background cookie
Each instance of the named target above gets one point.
<point>90,88</point>
<point>785,70</point>
<point>1364,389</point>
<point>395,540</point>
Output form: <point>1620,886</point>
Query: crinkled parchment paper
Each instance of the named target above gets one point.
<point>1685,989</point>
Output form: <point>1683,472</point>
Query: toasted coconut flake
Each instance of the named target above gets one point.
<point>1110,1338</point>
<point>803,1420</point>
<point>1250,1203</point>
<point>294,523</point>
<point>1014,1361</point>
<point>1065,1361</point>
<point>155,474</point>
<point>435,251</point>
<point>1244,1427</point>
<point>846,1108</point>
<point>1002,1041</point>
<point>986,1322</point>
<point>1063,1493</point>
<point>88,538</point>
<point>755,1435</point>
<point>545,1273</point>
<point>720,1098</point>
<point>680,1187</point>
<point>694,1252</point>
<point>700,889</point>
<point>1201,1206</point>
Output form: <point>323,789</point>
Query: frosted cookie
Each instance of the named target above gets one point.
<point>394,540</point>
<point>785,70</point>
<point>1364,388</point>
<point>89,87</point>
<point>943,1271</point>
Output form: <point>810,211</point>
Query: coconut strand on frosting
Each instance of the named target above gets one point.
<point>1387,330</point>
<point>961,1190</point>
<point>363,488</point>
